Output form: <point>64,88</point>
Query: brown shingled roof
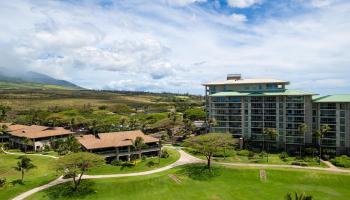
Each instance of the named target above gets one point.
<point>35,131</point>
<point>114,139</point>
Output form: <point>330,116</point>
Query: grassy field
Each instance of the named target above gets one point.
<point>233,157</point>
<point>191,182</point>
<point>40,175</point>
<point>139,167</point>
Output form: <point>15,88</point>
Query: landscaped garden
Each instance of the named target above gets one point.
<point>195,182</point>
<point>40,175</point>
<point>246,156</point>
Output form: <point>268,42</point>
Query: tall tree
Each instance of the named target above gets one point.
<point>187,128</point>
<point>76,165</point>
<point>27,142</point>
<point>138,144</point>
<point>272,134</point>
<point>210,143</point>
<point>211,123</point>
<point>24,164</point>
<point>319,134</point>
<point>173,118</point>
<point>3,131</point>
<point>302,128</point>
<point>3,112</point>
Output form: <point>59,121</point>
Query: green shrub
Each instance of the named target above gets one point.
<point>251,155</point>
<point>243,153</point>
<point>116,162</point>
<point>151,163</point>
<point>164,154</point>
<point>143,158</point>
<point>283,156</point>
<point>341,161</point>
<point>2,182</point>
<point>298,163</point>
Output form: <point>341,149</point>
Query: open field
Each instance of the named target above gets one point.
<point>191,182</point>
<point>40,175</point>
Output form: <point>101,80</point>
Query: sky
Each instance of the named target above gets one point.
<point>177,45</point>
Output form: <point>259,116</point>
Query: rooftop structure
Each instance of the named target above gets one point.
<point>343,98</point>
<point>35,132</point>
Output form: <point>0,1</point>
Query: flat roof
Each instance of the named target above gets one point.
<point>247,81</point>
<point>341,98</point>
<point>284,93</point>
<point>113,139</point>
<point>35,131</point>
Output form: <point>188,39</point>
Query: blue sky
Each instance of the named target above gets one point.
<point>176,45</point>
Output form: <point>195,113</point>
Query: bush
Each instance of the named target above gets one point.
<point>116,162</point>
<point>298,163</point>
<point>243,153</point>
<point>151,163</point>
<point>164,154</point>
<point>143,158</point>
<point>2,182</point>
<point>251,155</point>
<point>341,161</point>
<point>325,157</point>
<point>283,156</point>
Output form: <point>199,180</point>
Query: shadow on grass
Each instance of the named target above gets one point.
<point>17,181</point>
<point>66,191</point>
<point>200,172</point>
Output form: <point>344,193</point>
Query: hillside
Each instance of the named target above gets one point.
<point>32,80</point>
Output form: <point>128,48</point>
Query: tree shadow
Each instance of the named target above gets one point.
<point>17,181</point>
<point>66,191</point>
<point>199,172</point>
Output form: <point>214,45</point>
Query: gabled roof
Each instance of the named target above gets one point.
<point>338,98</point>
<point>114,139</point>
<point>35,131</point>
<point>247,81</point>
<point>282,93</point>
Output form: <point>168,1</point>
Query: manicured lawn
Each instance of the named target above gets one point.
<point>40,175</point>
<point>191,182</point>
<point>139,167</point>
<point>233,157</point>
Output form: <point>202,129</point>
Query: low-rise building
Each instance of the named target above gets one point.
<point>40,136</point>
<point>119,145</point>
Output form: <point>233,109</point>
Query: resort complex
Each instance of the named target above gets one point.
<point>248,108</point>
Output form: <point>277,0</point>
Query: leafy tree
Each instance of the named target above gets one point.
<point>138,144</point>
<point>210,143</point>
<point>301,196</point>
<point>3,131</point>
<point>319,134</point>
<point>195,114</point>
<point>271,133</point>
<point>3,112</point>
<point>27,142</point>
<point>211,123</point>
<point>76,164</point>
<point>63,147</point>
<point>302,128</point>
<point>24,164</point>
<point>187,128</point>
<point>173,118</point>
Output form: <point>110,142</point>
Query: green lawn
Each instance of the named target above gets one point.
<point>274,158</point>
<point>225,183</point>
<point>139,167</point>
<point>41,175</point>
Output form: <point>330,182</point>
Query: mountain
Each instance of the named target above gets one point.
<point>26,80</point>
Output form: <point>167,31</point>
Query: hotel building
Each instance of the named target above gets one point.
<point>246,107</point>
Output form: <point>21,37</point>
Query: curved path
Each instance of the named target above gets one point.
<point>26,154</point>
<point>184,159</point>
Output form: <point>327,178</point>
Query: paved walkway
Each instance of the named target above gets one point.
<point>28,154</point>
<point>329,164</point>
<point>184,159</point>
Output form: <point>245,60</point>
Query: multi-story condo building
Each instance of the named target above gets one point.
<point>334,111</point>
<point>247,107</point>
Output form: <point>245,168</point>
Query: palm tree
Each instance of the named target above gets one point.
<point>3,131</point>
<point>138,143</point>
<point>27,142</point>
<point>25,164</point>
<point>302,128</point>
<point>301,196</point>
<point>271,133</point>
<point>319,134</point>
<point>173,118</point>
<point>72,124</point>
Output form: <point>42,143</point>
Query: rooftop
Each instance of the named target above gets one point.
<point>247,81</point>
<point>35,131</point>
<point>332,98</point>
<point>114,139</point>
<point>283,93</point>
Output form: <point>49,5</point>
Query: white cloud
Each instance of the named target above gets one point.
<point>183,2</point>
<point>238,18</point>
<point>242,3</point>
